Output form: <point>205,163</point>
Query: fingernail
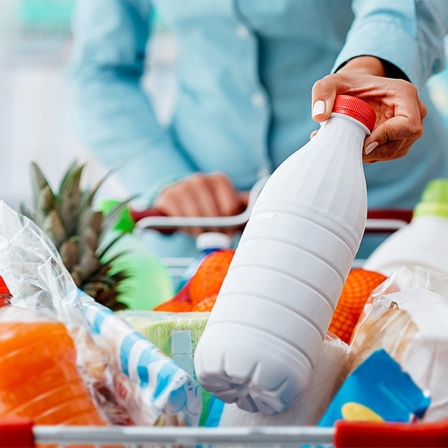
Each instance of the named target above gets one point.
<point>370,147</point>
<point>318,108</point>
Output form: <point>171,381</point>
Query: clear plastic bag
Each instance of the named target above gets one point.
<point>407,316</point>
<point>39,281</point>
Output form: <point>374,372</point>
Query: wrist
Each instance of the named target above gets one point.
<point>368,65</point>
<point>371,65</point>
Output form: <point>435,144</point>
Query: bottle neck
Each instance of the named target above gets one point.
<point>347,119</point>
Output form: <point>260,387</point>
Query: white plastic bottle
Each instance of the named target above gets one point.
<point>424,241</point>
<point>267,327</point>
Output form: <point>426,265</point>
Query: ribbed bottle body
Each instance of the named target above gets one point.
<point>266,330</point>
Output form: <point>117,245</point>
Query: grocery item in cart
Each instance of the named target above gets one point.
<point>159,327</point>
<point>5,293</point>
<point>200,292</point>
<point>377,391</point>
<point>424,241</point>
<point>147,282</point>
<point>114,373</point>
<point>161,392</point>
<point>411,325</point>
<point>206,243</point>
<point>356,291</point>
<point>266,329</point>
<point>39,375</point>
<point>175,334</point>
<point>39,282</point>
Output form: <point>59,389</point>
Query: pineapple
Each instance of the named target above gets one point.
<point>78,231</point>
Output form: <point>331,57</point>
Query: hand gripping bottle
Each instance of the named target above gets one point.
<point>275,305</point>
<point>424,241</point>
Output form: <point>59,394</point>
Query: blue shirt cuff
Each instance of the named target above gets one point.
<point>386,41</point>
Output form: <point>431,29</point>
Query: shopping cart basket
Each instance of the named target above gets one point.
<point>22,433</point>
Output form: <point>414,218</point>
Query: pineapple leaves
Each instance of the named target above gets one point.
<point>112,243</point>
<point>88,259</point>
<point>89,227</point>
<point>52,225</point>
<point>77,230</point>
<point>38,183</point>
<point>69,252</point>
<point>69,197</point>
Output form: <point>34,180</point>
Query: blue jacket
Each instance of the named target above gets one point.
<point>245,73</point>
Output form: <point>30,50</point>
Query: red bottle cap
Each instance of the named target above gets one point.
<point>3,288</point>
<point>355,108</point>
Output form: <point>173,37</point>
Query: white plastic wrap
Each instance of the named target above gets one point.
<point>408,318</point>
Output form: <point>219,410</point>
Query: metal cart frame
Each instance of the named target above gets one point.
<point>20,433</point>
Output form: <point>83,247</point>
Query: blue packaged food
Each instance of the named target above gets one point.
<point>377,390</point>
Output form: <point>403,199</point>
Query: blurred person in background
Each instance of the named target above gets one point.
<point>249,73</point>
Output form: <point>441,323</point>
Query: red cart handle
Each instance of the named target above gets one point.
<point>16,433</point>
<point>390,213</point>
<point>387,220</point>
<point>382,213</point>
<point>391,435</point>
<point>137,215</point>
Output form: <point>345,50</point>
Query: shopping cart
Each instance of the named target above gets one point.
<point>379,221</point>
<point>22,434</point>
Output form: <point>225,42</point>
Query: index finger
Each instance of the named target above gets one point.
<point>226,196</point>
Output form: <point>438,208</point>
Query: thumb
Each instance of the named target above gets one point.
<point>323,96</point>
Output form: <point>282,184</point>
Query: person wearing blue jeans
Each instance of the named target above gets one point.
<point>254,77</point>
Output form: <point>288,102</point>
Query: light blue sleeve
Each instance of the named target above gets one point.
<point>114,115</point>
<point>407,33</point>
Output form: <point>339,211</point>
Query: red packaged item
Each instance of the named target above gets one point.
<point>5,294</point>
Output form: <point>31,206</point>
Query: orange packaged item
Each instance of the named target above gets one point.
<point>357,289</point>
<point>200,292</point>
<point>39,378</point>
<point>208,278</point>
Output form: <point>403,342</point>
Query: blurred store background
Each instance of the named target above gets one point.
<point>35,120</point>
<point>35,112</point>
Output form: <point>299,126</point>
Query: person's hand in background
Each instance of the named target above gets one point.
<point>399,110</point>
<point>204,195</point>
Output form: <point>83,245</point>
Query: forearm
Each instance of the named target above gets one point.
<point>406,34</point>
